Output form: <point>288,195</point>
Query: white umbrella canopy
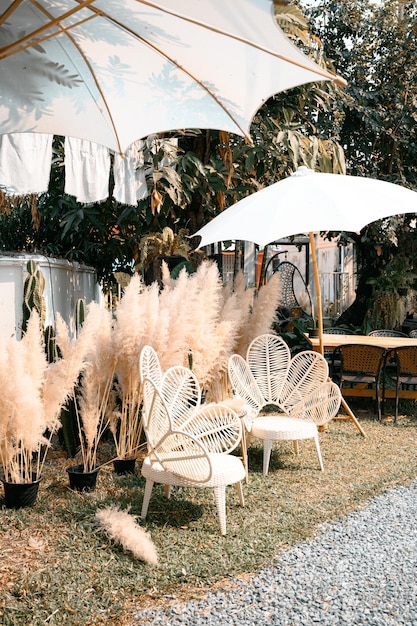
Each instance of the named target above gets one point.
<point>114,71</point>
<point>309,202</point>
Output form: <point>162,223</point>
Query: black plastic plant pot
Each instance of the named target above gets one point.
<point>19,495</point>
<point>124,466</point>
<point>80,480</point>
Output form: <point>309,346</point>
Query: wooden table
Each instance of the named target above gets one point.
<point>331,341</point>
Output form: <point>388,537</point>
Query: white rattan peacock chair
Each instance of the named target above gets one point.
<point>194,455</point>
<point>149,365</point>
<point>298,387</point>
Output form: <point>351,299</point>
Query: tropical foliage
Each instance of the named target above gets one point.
<point>373,45</point>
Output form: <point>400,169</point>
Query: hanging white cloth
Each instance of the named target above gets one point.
<point>87,170</point>
<point>25,162</point>
<point>130,175</point>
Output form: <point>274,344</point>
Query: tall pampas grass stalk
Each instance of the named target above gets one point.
<point>135,326</point>
<point>262,314</point>
<point>211,321</point>
<point>122,528</point>
<point>204,329</point>
<point>95,385</point>
<point>33,394</point>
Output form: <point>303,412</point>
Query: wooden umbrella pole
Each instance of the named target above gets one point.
<point>320,325</point>
<point>318,292</point>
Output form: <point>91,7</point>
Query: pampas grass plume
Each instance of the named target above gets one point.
<point>121,527</point>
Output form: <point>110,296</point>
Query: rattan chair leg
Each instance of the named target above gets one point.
<point>239,490</point>
<point>316,441</point>
<point>244,447</point>
<point>296,447</point>
<point>267,455</point>
<point>220,498</point>
<point>146,497</point>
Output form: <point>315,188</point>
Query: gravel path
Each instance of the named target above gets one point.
<point>359,570</point>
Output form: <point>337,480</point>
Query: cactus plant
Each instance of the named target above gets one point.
<point>80,311</point>
<point>33,294</point>
<point>51,349</point>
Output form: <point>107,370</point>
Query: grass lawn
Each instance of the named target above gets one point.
<point>57,567</point>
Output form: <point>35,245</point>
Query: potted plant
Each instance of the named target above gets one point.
<point>91,399</point>
<point>33,393</point>
<point>173,248</point>
<point>136,320</point>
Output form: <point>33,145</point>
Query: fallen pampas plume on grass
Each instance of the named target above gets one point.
<point>121,527</point>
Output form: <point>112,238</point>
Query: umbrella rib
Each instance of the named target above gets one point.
<point>10,10</point>
<point>17,46</point>
<point>65,31</point>
<point>180,67</point>
<point>337,79</point>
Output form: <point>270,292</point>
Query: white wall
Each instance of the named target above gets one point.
<point>65,283</point>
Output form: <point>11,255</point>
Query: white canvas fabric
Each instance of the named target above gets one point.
<point>307,202</point>
<point>116,71</point>
<point>25,162</point>
<point>87,170</point>
<point>130,175</point>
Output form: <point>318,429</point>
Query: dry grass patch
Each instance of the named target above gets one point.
<point>58,567</point>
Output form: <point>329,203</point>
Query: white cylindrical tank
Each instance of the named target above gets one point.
<point>65,283</point>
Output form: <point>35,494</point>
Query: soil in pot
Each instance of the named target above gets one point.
<point>19,495</point>
<point>80,480</point>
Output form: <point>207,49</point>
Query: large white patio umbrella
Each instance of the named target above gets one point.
<point>114,71</point>
<point>309,202</point>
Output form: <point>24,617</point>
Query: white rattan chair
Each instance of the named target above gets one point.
<point>181,391</point>
<point>195,456</point>
<point>149,365</point>
<point>298,387</point>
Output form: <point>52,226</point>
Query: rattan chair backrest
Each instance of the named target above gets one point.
<point>244,384</point>
<point>337,330</point>
<point>150,368</point>
<point>290,276</point>
<point>322,402</point>
<point>406,358</point>
<point>307,370</point>
<point>156,420</point>
<point>149,365</point>
<point>181,391</point>
<point>268,357</point>
<point>178,452</point>
<point>361,359</point>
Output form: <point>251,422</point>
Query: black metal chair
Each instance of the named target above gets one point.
<point>386,332</point>
<point>403,372</point>
<point>361,366</point>
<point>334,364</point>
